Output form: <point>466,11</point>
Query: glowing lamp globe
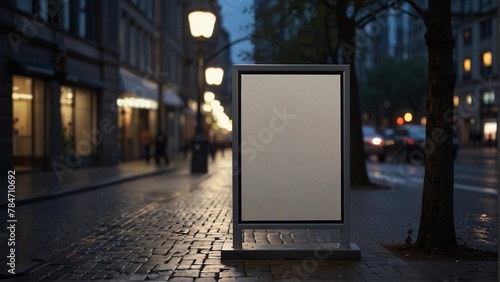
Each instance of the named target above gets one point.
<point>201,24</point>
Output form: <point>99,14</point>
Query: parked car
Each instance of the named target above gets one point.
<point>408,143</point>
<point>373,143</point>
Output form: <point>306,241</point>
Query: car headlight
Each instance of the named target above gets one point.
<point>377,141</point>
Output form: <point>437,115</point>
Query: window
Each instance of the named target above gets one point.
<point>456,100</point>
<point>467,65</point>
<point>40,8</point>
<point>66,15</point>
<point>28,126</point>
<point>467,68</point>
<point>147,53</point>
<point>490,131</point>
<point>485,3</point>
<point>485,29</point>
<point>468,99</point>
<point>78,119</point>
<point>487,61</point>
<point>132,42</point>
<point>149,9</point>
<point>75,17</point>
<point>137,47</point>
<point>488,98</point>
<point>466,6</point>
<point>467,36</point>
<point>82,18</point>
<point>25,6</point>
<point>123,40</point>
<point>43,10</point>
<point>141,49</point>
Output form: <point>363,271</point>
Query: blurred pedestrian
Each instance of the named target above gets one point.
<point>146,139</point>
<point>161,148</point>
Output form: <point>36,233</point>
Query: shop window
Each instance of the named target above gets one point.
<point>28,126</point>
<point>456,100</point>
<point>490,131</point>
<point>78,120</point>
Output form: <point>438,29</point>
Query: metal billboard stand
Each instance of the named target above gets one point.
<point>291,158</point>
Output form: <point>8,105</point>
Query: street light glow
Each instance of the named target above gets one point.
<point>201,24</point>
<point>209,97</point>
<point>214,76</point>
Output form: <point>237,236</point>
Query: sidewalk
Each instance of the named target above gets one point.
<point>39,186</point>
<point>180,240</point>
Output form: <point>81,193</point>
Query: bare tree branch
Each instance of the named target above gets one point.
<point>422,13</point>
<point>329,5</point>
<point>371,16</point>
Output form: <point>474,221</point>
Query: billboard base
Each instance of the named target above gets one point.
<point>326,251</point>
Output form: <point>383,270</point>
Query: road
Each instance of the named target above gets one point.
<point>475,170</point>
<point>475,195</point>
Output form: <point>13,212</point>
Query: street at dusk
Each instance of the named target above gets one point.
<point>249,140</point>
<point>186,219</point>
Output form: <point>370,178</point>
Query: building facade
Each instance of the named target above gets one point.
<point>475,29</point>
<point>59,79</point>
<point>80,79</point>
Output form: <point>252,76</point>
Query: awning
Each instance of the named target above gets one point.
<point>145,88</point>
<point>172,99</point>
<point>84,82</point>
<point>31,68</point>
<point>141,87</point>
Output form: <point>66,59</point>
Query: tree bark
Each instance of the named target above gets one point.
<point>347,39</point>
<point>437,228</point>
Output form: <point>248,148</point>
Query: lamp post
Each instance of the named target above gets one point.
<point>201,25</point>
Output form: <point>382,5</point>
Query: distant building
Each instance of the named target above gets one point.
<point>475,29</point>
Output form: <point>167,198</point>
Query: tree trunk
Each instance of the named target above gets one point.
<point>347,39</point>
<point>437,228</point>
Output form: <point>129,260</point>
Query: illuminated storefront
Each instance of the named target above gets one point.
<point>28,126</point>
<point>135,115</point>
<point>78,120</point>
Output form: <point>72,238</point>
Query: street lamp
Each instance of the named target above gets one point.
<point>201,25</point>
<point>214,76</point>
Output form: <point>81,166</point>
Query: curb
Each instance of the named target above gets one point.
<point>84,188</point>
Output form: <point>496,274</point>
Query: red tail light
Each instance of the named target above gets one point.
<point>409,141</point>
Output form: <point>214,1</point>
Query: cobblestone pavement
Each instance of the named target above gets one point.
<point>180,240</point>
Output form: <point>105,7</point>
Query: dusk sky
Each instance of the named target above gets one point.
<point>235,20</point>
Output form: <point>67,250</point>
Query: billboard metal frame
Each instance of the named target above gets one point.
<point>344,223</point>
